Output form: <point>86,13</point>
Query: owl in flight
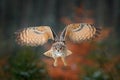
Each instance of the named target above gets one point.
<point>35,36</point>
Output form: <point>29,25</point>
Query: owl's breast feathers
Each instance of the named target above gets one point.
<point>58,54</point>
<point>51,53</point>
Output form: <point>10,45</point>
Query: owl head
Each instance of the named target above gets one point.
<point>59,46</point>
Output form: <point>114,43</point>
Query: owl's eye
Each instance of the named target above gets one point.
<point>60,48</point>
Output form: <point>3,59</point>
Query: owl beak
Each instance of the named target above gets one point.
<point>58,50</point>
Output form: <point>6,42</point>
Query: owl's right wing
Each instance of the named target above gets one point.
<point>34,36</point>
<point>81,31</point>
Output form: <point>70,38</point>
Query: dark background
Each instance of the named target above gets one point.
<point>16,14</point>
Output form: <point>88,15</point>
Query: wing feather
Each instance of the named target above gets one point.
<point>81,31</point>
<point>34,36</point>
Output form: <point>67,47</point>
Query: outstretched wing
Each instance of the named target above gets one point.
<point>34,36</point>
<point>81,31</point>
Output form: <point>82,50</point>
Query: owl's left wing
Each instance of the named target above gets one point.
<point>81,31</point>
<point>34,36</point>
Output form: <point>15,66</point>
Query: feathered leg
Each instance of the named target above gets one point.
<point>63,59</point>
<point>55,62</point>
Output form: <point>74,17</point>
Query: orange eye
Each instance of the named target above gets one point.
<point>60,48</point>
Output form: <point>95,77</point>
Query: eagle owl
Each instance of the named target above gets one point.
<point>35,36</point>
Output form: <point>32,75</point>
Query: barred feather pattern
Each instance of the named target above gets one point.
<point>34,36</point>
<point>81,32</point>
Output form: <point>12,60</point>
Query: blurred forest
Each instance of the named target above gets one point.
<point>93,60</point>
